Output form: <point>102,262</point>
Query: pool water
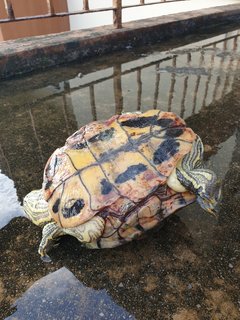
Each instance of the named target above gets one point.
<point>190,268</point>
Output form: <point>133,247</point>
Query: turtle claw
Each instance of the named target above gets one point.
<point>50,233</point>
<point>46,258</point>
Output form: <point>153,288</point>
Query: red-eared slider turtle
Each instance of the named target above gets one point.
<point>115,179</point>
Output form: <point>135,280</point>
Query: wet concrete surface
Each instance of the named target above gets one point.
<point>189,269</point>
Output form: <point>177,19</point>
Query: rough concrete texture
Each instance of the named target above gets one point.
<point>36,53</point>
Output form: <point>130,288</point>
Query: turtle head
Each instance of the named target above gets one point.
<point>208,191</point>
<point>36,208</point>
<point>204,184</point>
<point>191,175</point>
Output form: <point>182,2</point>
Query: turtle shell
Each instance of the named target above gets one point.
<point>114,165</point>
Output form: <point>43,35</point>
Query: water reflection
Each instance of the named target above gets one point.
<point>221,161</point>
<point>182,82</point>
<point>60,295</point>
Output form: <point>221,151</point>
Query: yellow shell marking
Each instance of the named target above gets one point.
<point>80,158</point>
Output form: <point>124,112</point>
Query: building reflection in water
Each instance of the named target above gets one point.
<point>183,81</point>
<point>60,295</point>
<point>38,117</point>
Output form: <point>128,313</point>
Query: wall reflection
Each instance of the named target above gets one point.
<point>60,295</point>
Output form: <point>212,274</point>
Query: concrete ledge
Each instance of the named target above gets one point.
<point>40,52</point>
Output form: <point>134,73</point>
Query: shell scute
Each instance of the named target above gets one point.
<point>54,174</point>
<point>80,159</point>
<point>111,141</point>
<point>69,201</point>
<point>93,180</point>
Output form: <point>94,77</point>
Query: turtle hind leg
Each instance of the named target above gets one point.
<point>89,231</point>
<point>50,232</point>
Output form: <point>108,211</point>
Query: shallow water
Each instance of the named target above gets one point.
<point>190,268</point>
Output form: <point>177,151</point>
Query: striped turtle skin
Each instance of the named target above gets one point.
<point>117,170</point>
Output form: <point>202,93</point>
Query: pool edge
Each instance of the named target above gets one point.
<point>24,55</point>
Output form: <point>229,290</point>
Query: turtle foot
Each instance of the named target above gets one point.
<point>46,258</point>
<point>50,233</point>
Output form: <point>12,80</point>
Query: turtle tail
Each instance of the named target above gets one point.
<point>36,208</point>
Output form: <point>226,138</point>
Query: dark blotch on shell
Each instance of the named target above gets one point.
<point>139,227</point>
<point>106,186</point>
<point>165,151</point>
<point>102,136</point>
<point>48,184</point>
<point>48,168</point>
<point>174,132</point>
<point>182,201</point>
<point>79,146</point>
<point>140,122</point>
<point>164,122</point>
<point>55,207</point>
<point>131,173</point>
<point>74,210</point>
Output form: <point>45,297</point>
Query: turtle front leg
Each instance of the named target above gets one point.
<point>50,232</point>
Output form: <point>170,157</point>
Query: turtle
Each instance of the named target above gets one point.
<point>116,179</point>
